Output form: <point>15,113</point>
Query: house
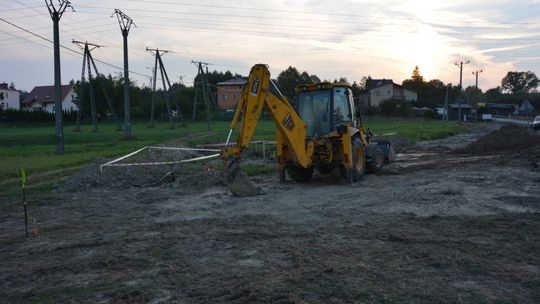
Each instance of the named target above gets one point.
<point>229,92</point>
<point>379,90</point>
<point>9,98</point>
<point>42,99</point>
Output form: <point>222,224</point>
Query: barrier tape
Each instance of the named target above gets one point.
<point>113,163</point>
<point>163,163</point>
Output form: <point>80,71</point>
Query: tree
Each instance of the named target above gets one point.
<point>395,107</point>
<point>519,82</point>
<point>416,82</point>
<point>430,93</point>
<point>341,80</point>
<point>416,76</point>
<point>287,80</point>
<point>473,94</point>
<point>363,82</point>
<point>493,94</point>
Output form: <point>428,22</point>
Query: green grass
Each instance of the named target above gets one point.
<point>31,146</point>
<point>414,130</point>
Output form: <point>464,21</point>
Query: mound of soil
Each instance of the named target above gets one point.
<point>509,139</point>
<point>189,177</point>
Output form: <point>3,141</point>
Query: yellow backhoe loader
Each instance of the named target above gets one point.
<point>321,131</point>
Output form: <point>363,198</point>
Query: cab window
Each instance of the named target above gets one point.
<point>342,111</point>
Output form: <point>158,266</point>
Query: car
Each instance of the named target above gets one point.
<point>535,124</point>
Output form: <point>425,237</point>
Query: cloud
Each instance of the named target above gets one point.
<point>341,38</point>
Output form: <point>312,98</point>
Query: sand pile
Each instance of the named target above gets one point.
<point>509,139</point>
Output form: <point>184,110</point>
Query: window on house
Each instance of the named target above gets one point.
<point>388,93</point>
<point>223,97</point>
<point>233,96</point>
<point>377,93</point>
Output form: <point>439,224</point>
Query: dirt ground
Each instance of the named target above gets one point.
<point>452,221</point>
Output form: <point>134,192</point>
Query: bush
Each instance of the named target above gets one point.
<point>399,108</point>
<point>431,114</point>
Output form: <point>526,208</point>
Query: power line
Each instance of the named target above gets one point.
<point>266,33</point>
<point>363,21</point>
<point>66,48</point>
<point>296,12</point>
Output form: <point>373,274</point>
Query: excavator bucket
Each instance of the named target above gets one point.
<point>388,149</point>
<point>238,181</point>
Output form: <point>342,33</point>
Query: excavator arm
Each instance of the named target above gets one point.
<point>291,128</point>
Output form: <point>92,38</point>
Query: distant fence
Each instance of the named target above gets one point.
<point>11,115</point>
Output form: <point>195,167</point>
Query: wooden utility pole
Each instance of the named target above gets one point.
<point>56,14</point>
<point>460,85</point>
<point>125,23</point>
<point>476,73</point>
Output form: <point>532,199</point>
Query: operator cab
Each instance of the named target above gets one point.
<point>324,106</point>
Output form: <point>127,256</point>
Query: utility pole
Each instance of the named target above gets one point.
<point>165,81</point>
<point>87,56</point>
<point>56,14</point>
<point>79,101</point>
<point>460,85</point>
<point>203,84</point>
<point>445,116</point>
<point>476,73</point>
<point>125,23</point>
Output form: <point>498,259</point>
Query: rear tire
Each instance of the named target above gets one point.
<point>299,174</point>
<point>359,161</point>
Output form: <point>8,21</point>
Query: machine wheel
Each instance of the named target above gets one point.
<point>375,159</point>
<point>326,169</point>
<point>299,174</point>
<point>359,161</point>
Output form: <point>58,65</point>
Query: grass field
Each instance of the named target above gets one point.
<point>31,146</point>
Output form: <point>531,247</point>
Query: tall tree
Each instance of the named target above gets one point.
<point>363,82</point>
<point>493,94</point>
<point>287,80</point>
<point>519,82</point>
<point>416,75</point>
<point>473,94</point>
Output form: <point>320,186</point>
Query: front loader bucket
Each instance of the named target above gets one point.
<point>388,149</point>
<point>238,181</point>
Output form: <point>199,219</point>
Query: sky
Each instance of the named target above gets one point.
<point>331,39</point>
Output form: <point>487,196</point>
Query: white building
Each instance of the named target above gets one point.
<point>9,98</point>
<point>385,89</point>
<point>42,99</point>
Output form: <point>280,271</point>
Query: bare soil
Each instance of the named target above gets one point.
<point>452,221</point>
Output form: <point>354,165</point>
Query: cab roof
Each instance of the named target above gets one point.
<point>320,86</point>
